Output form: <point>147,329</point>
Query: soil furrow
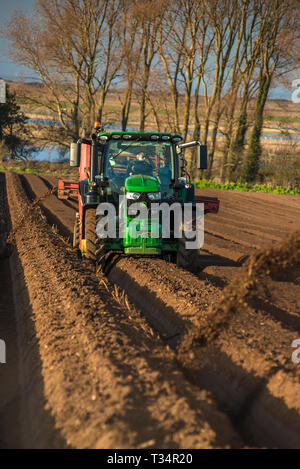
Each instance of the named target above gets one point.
<point>109,381</point>
<point>24,420</point>
<point>248,363</point>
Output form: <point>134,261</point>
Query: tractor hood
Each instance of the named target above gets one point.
<point>140,183</point>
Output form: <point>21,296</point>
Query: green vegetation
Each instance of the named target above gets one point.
<point>59,170</point>
<point>14,142</point>
<point>287,119</point>
<point>21,170</point>
<point>36,171</point>
<point>237,186</point>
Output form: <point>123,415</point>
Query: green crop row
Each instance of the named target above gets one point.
<point>19,170</point>
<point>238,186</point>
<point>286,119</point>
<point>34,171</point>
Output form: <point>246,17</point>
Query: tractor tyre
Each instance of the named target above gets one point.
<point>187,258</point>
<point>90,234</point>
<point>101,253</point>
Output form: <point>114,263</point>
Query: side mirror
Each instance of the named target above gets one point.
<point>202,157</point>
<point>75,150</point>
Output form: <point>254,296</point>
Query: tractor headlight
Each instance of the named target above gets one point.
<point>132,195</point>
<point>154,195</point>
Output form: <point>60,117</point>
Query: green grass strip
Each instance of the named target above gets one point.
<point>238,186</point>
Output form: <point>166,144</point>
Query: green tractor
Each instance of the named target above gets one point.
<point>120,171</point>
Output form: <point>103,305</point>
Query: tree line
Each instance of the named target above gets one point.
<point>15,139</point>
<point>194,65</point>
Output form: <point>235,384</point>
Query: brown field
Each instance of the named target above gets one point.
<point>152,356</point>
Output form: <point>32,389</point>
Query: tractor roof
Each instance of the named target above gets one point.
<point>137,135</point>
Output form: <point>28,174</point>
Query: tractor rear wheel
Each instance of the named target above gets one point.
<point>101,253</point>
<point>95,247</point>
<point>90,234</point>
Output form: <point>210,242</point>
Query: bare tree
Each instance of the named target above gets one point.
<point>171,55</point>
<point>73,45</point>
<point>280,30</point>
<point>111,52</point>
<point>224,18</point>
<point>132,44</point>
<point>178,42</point>
<point>244,60</point>
<point>149,14</point>
<point>167,53</point>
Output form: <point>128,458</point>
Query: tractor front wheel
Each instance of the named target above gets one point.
<point>95,247</point>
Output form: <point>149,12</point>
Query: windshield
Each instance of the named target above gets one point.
<point>124,159</point>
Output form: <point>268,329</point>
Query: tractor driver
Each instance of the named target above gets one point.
<point>141,165</point>
<point>164,172</point>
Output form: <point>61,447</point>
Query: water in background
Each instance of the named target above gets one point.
<point>50,154</point>
<point>53,154</point>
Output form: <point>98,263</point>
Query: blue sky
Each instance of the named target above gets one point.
<point>8,70</point>
<point>11,71</point>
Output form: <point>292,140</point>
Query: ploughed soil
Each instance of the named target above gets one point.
<point>152,356</point>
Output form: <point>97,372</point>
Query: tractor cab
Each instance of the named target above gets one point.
<point>126,156</point>
<point>149,159</point>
